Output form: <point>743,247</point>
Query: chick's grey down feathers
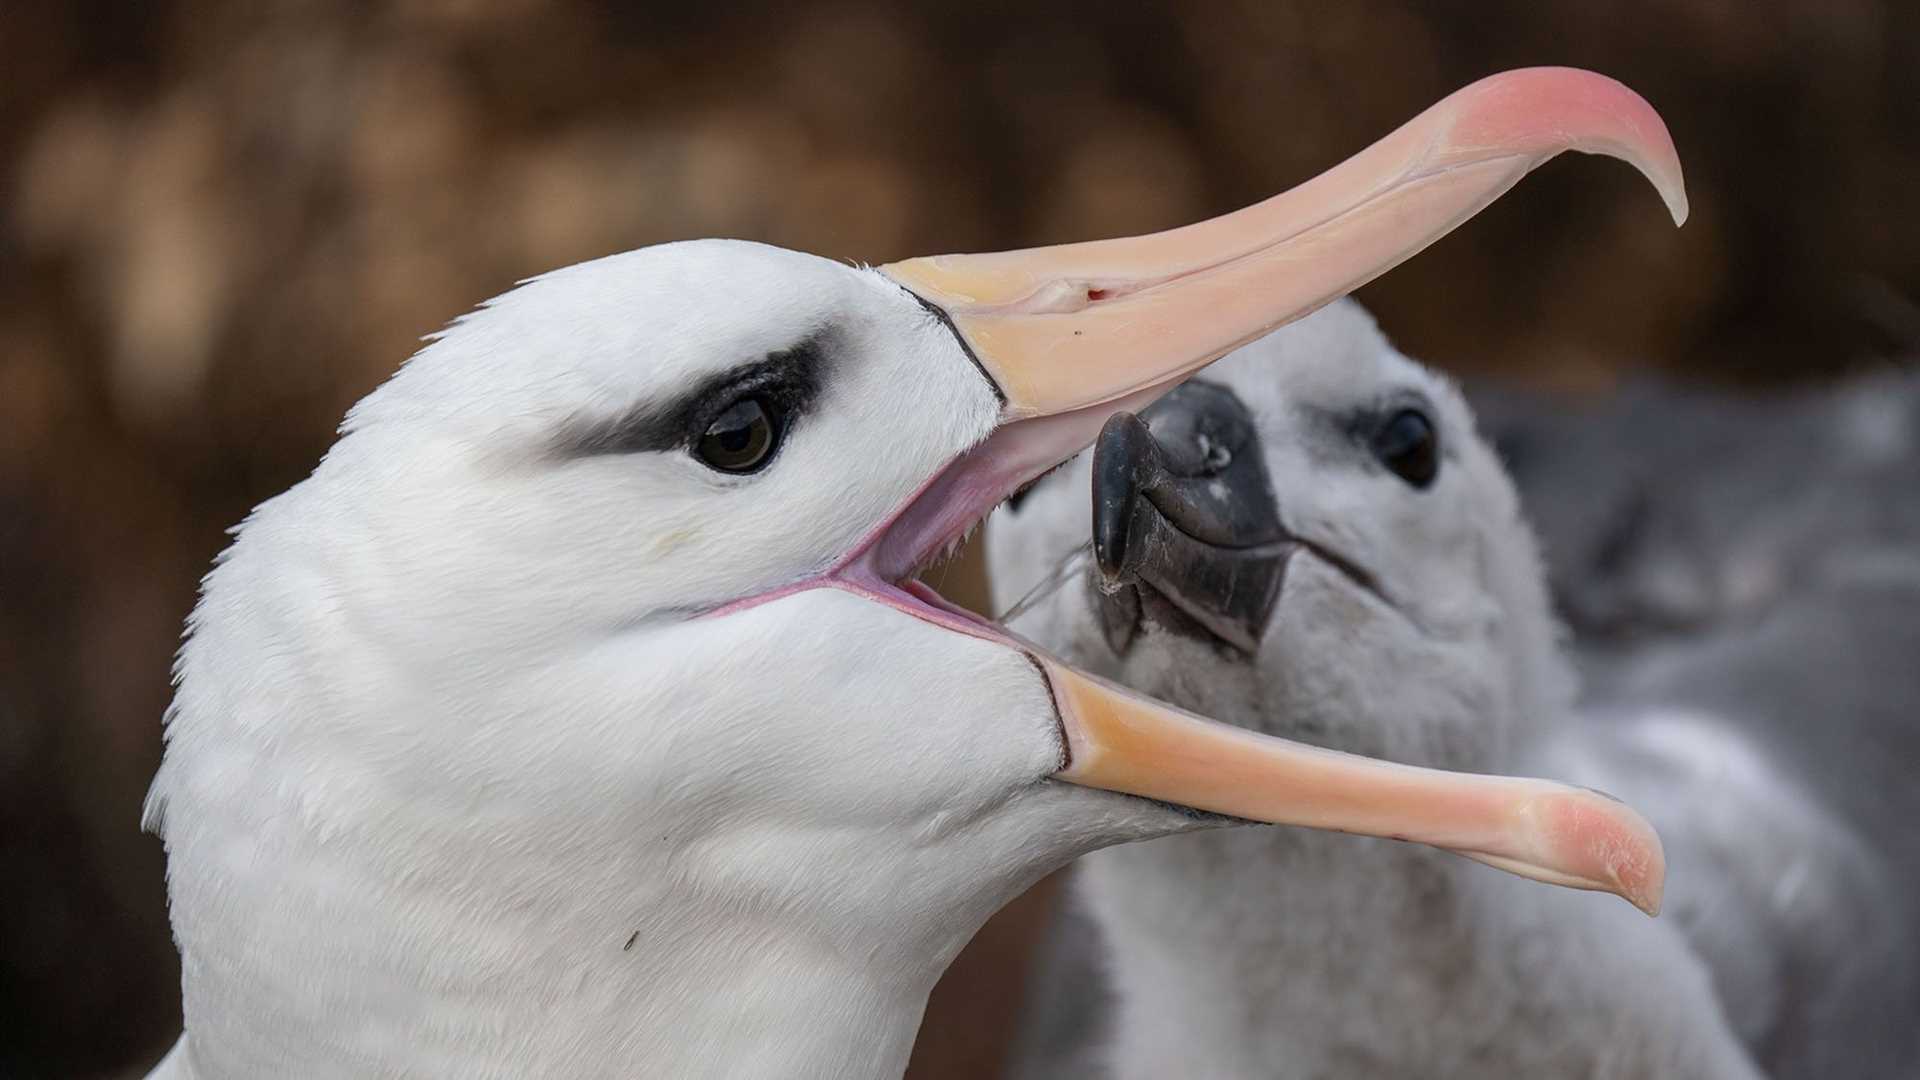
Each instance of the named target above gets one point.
<point>1763,719</point>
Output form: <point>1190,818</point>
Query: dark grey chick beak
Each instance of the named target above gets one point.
<point>1186,527</point>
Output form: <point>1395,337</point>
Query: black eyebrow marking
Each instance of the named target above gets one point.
<point>790,377</point>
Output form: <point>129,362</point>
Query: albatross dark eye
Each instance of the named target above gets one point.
<point>1406,443</point>
<point>743,437</point>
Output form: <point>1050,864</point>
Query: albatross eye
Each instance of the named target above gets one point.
<point>1406,443</point>
<point>743,437</point>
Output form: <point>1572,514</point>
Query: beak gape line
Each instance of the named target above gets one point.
<point>1070,336</point>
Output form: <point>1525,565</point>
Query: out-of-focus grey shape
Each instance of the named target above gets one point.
<point>1665,511</point>
<point>1740,577</point>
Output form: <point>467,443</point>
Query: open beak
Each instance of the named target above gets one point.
<point>1071,335</point>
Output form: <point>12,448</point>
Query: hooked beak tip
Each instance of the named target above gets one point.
<point>1079,327</point>
<point>1545,110</point>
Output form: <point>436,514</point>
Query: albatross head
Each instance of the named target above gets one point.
<point>580,712</point>
<point>1311,540</point>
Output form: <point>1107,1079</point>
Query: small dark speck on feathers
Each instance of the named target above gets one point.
<point>631,938</point>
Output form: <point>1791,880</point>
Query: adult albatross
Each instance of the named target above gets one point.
<point>579,715</point>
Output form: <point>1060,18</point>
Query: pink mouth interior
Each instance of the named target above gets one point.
<point>939,516</point>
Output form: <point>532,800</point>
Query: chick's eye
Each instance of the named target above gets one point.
<point>1407,444</point>
<point>743,437</point>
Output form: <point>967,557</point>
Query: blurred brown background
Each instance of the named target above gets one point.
<point>222,225</point>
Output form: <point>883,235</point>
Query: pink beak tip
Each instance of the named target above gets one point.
<point>1621,846</point>
<point>1553,109</point>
